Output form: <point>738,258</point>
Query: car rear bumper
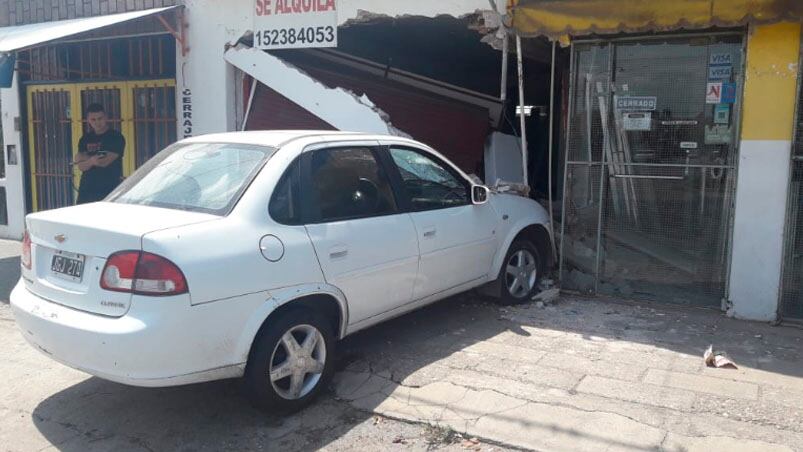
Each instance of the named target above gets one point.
<point>146,347</point>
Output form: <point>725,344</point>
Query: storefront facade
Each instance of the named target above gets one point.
<point>678,139</point>
<point>159,68</point>
<point>63,60</point>
<point>678,178</point>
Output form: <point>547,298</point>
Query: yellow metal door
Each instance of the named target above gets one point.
<point>143,111</point>
<point>52,138</point>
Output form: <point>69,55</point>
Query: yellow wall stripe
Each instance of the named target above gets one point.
<point>771,82</point>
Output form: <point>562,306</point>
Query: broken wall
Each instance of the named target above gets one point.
<point>206,83</point>
<point>456,128</point>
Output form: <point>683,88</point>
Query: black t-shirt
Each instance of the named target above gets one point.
<point>98,181</point>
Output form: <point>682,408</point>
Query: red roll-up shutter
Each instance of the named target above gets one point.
<point>456,129</point>
<point>272,111</point>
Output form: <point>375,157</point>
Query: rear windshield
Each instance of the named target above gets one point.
<point>200,177</point>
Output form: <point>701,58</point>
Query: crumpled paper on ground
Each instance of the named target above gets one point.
<point>717,359</point>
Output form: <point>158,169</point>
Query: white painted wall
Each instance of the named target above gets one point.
<point>14,181</point>
<point>214,23</point>
<point>758,229</point>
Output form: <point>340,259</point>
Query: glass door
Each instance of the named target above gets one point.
<point>650,167</point>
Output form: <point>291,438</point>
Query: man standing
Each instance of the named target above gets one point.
<point>99,157</point>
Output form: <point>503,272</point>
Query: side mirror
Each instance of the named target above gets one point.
<point>479,194</point>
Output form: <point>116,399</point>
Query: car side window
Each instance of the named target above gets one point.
<point>348,183</point>
<point>285,204</point>
<point>428,183</point>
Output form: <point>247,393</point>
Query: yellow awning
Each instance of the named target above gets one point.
<point>559,19</point>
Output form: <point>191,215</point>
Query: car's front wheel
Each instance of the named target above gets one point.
<point>291,361</point>
<point>520,272</point>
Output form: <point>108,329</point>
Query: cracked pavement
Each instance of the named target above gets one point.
<point>582,374</point>
<point>45,406</point>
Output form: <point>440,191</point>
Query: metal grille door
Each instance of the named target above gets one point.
<point>154,120</point>
<point>792,284</point>
<point>51,131</point>
<point>650,167</point>
<point>143,111</point>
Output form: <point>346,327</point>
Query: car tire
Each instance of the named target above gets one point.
<point>278,380</point>
<point>520,273</point>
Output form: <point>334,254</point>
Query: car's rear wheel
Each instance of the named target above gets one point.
<point>290,361</point>
<point>520,272</point>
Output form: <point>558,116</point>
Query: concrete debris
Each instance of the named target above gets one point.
<point>513,188</point>
<point>540,305</point>
<point>546,283</point>
<point>717,359</point>
<point>494,40</point>
<point>582,282</point>
<point>581,255</point>
<point>730,312</point>
<point>367,17</point>
<point>547,296</point>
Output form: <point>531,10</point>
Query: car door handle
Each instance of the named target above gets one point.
<point>337,252</point>
<point>430,232</point>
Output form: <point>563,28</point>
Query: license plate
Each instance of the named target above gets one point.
<point>68,266</point>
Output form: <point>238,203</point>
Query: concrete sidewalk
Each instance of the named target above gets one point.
<point>583,375</point>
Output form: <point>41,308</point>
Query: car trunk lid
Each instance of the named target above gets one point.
<point>70,246</point>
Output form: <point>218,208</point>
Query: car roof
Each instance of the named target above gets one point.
<point>277,138</point>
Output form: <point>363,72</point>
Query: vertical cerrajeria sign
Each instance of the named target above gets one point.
<point>293,24</point>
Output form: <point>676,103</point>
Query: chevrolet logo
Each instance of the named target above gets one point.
<point>60,238</point>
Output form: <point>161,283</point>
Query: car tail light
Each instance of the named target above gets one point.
<point>25,258</point>
<point>142,273</point>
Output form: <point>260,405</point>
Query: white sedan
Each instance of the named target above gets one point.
<point>250,254</point>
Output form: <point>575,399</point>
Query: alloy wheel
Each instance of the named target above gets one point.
<point>521,273</point>
<point>297,362</point>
